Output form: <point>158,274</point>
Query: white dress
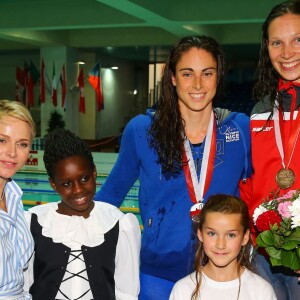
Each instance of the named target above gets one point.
<point>75,231</point>
<point>253,287</point>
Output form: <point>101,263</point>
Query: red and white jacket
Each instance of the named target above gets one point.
<point>266,158</point>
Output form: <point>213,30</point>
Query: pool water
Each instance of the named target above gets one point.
<point>37,190</point>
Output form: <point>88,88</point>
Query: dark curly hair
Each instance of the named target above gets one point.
<point>166,134</point>
<point>266,76</point>
<point>61,144</point>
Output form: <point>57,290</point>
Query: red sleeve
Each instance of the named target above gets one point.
<point>246,191</point>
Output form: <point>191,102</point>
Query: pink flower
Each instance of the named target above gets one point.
<point>288,195</point>
<point>283,209</point>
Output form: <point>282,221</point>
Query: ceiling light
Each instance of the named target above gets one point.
<point>80,62</point>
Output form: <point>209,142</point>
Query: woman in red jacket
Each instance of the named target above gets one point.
<point>275,125</point>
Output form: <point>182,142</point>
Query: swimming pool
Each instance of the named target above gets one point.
<point>37,190</point>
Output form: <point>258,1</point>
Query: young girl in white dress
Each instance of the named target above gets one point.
<point>222,262</point>
<point>83,250</point>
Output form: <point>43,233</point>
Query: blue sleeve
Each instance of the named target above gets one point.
<point>246,133</point>
<point>126,170</point>
<point>242,121</point>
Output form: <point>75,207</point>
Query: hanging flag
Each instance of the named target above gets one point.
<point>33,78</point>
<point>34,72</point>
<point>54,87</point>
<point>20,82</point>
<point>30,91</point>
<point>62,80</point>
<point>26,68</point>
<point>95,81</point>
<point>42,86</point>
<point>81,86</point>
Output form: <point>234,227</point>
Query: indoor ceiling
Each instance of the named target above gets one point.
<point>135,29</point>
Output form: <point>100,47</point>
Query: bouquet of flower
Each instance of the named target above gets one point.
<point>278,222</point>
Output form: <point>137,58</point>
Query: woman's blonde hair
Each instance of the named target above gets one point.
<point>17,110</point>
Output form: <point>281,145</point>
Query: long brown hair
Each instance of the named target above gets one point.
<point>166,134</point>
<point>224,204</point>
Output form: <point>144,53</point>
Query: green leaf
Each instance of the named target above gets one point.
<point>265,238</point>
<point>273,252</point>
<point>275,262</point>
<point>294,237</point>
<point>278,240</point>
<point>289,259</point>
<point>289,245</point>
<point>286,222</point>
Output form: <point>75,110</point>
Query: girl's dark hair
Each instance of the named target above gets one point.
<point>166,134</point>
<point>267,76</point>
<point>61,144</point>
<point>225,204</point>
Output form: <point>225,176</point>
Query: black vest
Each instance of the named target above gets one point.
<point>51,261</point>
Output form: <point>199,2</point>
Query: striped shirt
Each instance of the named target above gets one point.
<point>16,245</point>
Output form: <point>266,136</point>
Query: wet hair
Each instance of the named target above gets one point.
<point>227,205</point>
<point>18,110</point>
<point>167,134</point>
<point>266,76</point>
<point>61,144</point>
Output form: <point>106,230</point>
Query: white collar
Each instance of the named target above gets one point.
<point>75,230</point>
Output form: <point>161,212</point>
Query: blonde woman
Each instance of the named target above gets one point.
<point>17,131</point>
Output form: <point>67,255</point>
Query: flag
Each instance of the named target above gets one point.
<point>42,87</point>
<point>26,68</point>
<point>30,91</point>
<point>62,80</point>
<point>81,86</point>
<point>20,82</point>
<point>54,87</point>
<point>33,78</point>
<point>95,81</point>
<point>34,73</point>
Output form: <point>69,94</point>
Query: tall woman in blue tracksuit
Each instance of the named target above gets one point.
<point>181,153</point>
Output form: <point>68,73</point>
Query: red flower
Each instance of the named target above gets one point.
<point>266,219</point>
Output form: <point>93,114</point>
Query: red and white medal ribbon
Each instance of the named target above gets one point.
<point>197,188</point>
<point>285,159</point>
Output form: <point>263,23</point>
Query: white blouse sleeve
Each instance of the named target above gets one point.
<point>127,282</point>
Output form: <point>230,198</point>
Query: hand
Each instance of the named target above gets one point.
<point>298,271</point>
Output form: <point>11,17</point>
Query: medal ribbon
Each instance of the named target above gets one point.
<point>287,153</point>
<point>197,188</point>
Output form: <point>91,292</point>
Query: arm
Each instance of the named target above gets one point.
<point>127,283</point>
<point>246,190</point>
<point>245,184</point>
<point>125,172</point>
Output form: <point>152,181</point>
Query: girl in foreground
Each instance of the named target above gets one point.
<point>83,250</point>
<point>222,260</point>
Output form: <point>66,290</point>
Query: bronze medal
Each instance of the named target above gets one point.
<point>285,178</point>
<point>195,211</point>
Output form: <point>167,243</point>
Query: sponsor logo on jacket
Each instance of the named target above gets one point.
<point>262,128</point>
<point>231,134</point>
